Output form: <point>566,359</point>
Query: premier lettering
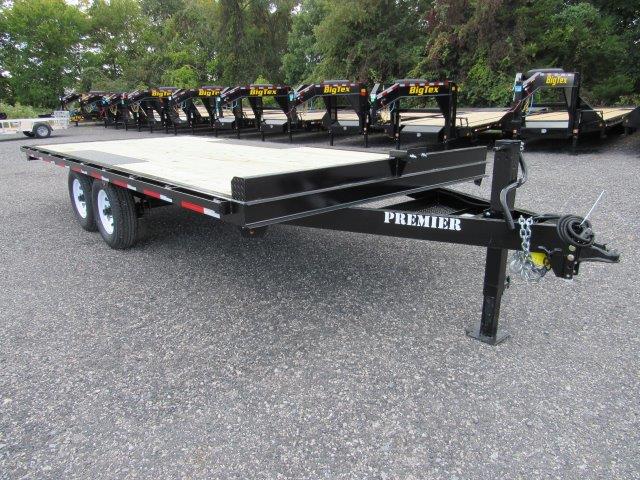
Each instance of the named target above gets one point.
<point>423,221</point>
<point>334,89</point>
<point>418,90</point>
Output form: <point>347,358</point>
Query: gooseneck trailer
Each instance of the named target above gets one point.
<point>261,116</point>
<point>547,104</point>
<point>147,108</point>
<point>345,107</point>
<point>112,184</point>
<point>390,115</point>
<point>193,108</point>
<point>84,106</point>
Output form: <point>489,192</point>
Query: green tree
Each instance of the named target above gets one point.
<point>41,49</point>
<point>370,41</point>
<point>302,54</point>
<point>117,36</point>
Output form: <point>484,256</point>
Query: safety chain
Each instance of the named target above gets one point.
<point>521,262</point>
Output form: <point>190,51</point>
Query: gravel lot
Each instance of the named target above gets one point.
<point>311,354</point>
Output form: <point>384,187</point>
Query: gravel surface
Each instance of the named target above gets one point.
<point>312,354</point>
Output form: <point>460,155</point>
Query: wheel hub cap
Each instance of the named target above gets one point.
<point>79,199</point>
<point>104,210</point>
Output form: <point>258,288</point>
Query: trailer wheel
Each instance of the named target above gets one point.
<point>41,130</point>
<point>80,194</point>
<point>114,209</point>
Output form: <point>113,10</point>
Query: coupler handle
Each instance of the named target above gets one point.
<point>505,191</point>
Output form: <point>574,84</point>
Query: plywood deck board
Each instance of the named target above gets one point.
<point>311,116</point>
<point>206,165</point>
<point>608,113</point>
<point>611,113</point>
<point>463,119</point>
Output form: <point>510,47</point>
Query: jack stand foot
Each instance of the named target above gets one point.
<point>474,332</point>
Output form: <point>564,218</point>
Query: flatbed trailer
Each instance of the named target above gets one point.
<point>253,186</point>
<point>259,117</point>
<point>147,108</point>
<point>115,111</point>
<point>389,116</point>
<point>84,107</point>
<point>567,118</point>
<point>345,112</point>
<point>194,109</point>
<point>41,127</point>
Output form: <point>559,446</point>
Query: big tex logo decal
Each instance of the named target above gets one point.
<point>160,93</point>
<point>208,92</point>
<point>334,89</point>
<point>262,91</point>
<point>426,90</point>
<point>554,80</point>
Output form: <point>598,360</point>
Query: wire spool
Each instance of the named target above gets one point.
<point>575,231</point>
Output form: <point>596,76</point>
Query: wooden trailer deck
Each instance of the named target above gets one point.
<point>206,165</point>
<point>609,115</point>
<point>470,119</point>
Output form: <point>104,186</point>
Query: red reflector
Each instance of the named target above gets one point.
<point>119,183</point>
<point>151,193</point>
<point>76,169</point>
<point>96,175</point>
<point>192,206</point>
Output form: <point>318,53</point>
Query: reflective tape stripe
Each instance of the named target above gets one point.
<point>158,195</point>
<point>211,213</point>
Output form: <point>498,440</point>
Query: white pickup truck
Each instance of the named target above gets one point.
<point>35,127</point>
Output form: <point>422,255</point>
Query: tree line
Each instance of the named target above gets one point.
<point>48,46</point>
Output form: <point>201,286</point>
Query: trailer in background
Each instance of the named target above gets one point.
<point>547,104</point>
<point>195,109</point>
<point>40,127</point>
<point>267,110</point>
<point>115,111</point>
<point>395,110</point>
<point>344,109</point>
<point>84,107</point>
<point>147,108</point>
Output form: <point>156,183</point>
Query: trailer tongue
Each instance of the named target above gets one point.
<point>111,184</point>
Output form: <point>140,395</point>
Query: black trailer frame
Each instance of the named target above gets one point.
<point>332,91</point>
<point>582,117</point>
<point>116,113</point>
<point>255,93</point>
<point>444,92</point>
<point>90,106</point>
<point>183,100</point>
<point>141,106</point>
<point>333,198</point>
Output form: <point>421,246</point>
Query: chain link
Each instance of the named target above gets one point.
<point>521,263</point>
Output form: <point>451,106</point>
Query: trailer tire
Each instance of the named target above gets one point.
<point>41,130</point>
<point>80,193</point>
<point>114,209</point>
